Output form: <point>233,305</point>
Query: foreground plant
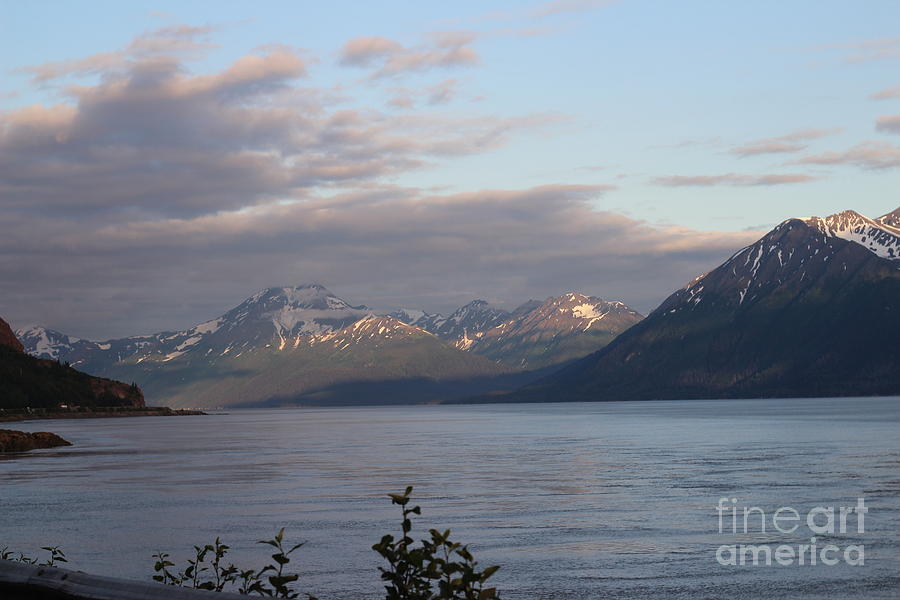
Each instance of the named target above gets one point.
<point>56,556</point>
<point>207,571</point>
<point>437,569</point>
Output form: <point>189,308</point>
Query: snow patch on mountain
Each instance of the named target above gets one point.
<point>45,343</point>
<point>369,328</point>
<point>877,236</point>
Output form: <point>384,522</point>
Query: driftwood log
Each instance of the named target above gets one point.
<point>19,581</point>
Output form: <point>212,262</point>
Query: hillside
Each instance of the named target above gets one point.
<point>26,381</point>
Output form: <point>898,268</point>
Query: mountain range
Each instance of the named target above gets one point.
<point>811,309</point>
<point>305,345</point>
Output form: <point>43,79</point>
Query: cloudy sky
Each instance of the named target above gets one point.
<point>161,161</point>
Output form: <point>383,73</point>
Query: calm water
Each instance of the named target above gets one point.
<point>574,500</point>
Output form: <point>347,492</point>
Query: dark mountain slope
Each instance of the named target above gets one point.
<point>26,381</point>
<point>802,312</point>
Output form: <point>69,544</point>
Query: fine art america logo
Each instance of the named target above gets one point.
<point>820,521</point>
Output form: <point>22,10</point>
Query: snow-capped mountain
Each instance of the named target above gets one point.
<point>794,250</point>
<point>881,236</point>
<point>370,329</point>
<point>285,345</point>
<point>279,317</point>
<point>46,343</point>
<point>470,319</point>
<point>554,331</point>
<point>274,317</point>
<point>288,342</point>
<point>811,309</point>
<point>375,359</point>
<point>533,335</point>
<point>419,318</point>
<point>892,219</point>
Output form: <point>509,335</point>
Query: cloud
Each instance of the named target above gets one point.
<point>402,99</point>
<point>871,155</point>
<point>443,92</point>
<point>889,124</point>
<point>732,179</point>
<point>556,7</point>
<point>152,197</point>
<point>384,246</point>
<point>150,138</point>
<point>176,40</point>
<point>886,94</point>
<point>390,58</point>
<point>782,144</point>
<point>363,51</point>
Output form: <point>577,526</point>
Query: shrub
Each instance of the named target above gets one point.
<point>436,569</point>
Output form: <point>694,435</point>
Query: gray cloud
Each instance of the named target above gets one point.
<point>383,246</point>
<point>732,179</point>
<point>154,198</point>
<point>152,139</point>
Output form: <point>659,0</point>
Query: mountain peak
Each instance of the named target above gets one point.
<point>580,310</point>
<point>525,308</point>
<point>477,306</point>
<point>878,236</point>
<point>478,303</point>
<point>556,330</point>
<point>312,296</point>
<point>370,328</point>
<point>891,219</point>
<point>792,255</point>
<point>45,343</point>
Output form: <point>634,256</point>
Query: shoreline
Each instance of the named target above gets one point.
<point>150,411</point>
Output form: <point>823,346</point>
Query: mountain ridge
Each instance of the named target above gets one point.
<point>801,312</point>
<point>560,328</point>
<point>307,322</point>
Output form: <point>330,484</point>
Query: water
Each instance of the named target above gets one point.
<point>611,500</point>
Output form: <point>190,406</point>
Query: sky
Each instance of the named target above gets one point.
<point>161,161</point>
